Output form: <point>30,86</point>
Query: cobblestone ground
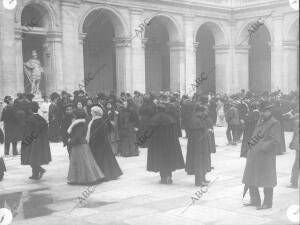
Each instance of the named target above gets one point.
<point>138,199</point>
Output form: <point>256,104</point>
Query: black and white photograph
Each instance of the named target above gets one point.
<point>149,112</point>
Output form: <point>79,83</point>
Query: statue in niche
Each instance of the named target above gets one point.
<point>34,70</point>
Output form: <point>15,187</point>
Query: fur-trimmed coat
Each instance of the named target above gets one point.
<point>164,151</point>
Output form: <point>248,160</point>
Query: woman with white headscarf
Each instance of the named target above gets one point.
<point>97,137</point>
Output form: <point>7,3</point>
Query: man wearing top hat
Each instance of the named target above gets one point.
<point>260,168</point>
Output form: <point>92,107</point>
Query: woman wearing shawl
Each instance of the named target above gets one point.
<point>83,169</point>
<point>97,137</point>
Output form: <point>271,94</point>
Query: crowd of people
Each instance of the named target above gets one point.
<point>95,130</point>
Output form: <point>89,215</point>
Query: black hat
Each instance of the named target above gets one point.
<point>264,105</point>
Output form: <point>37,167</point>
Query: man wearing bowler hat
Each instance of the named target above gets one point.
<point>260,168</point>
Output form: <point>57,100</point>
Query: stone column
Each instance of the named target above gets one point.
<point>276,53</point>
<point>177,67</point>
<point>80,58</point>
<point>242,66</point>
<point>224,78</point>
<point>53,66</point>
<point>137,52</point>
<point>72,75</point>
<point>19,61</point>
<point>190,55</point>
<point>8,64</point>
<point>290,68</point>
<point>124,78</point>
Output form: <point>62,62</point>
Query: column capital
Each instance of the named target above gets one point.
<point>18,34</point>
<point>176,46</point>
<point>144,42</point>
<point>293,45</point>
<point>195,46</point>
<point>242,48</point>
<point>221,48</point>
<point>121,42</point>
<point>54,36</point>
<point>82,37</point>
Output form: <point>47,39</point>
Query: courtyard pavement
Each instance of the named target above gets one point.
<point>137,198</point>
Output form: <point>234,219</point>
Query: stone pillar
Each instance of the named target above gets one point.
<point>124,78</point>
<point>276,53</point>
<point>8,53</point>
<point>290,68</point>
<point>137,52</point>
<point>242,66</point>
<point>80,59</point>
<point>224,79</point>
<point>190,56</point>
<point>72,75</point>
<point>53,66</point>
<point>19,62</point>
<point>177,67</point>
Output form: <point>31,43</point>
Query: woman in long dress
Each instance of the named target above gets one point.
<point>97,137</point>
<point>83,168</point>
<point>221,122</point>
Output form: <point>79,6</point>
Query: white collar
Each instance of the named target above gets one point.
<point>74,123</point>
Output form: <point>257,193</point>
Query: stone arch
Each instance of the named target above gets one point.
<point>243,34</point>
<point>174,30</point>
<point>292,30</point>
<point>118,21</point>
<point>217,30</point>
<point>42,6</point>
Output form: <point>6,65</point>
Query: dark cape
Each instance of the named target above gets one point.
<point>101,149</point>
<point>198,161</point>
<point>164,151</point>
<point>35,149</point>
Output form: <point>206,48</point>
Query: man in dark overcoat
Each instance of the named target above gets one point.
<point>36,147</point>
<point>198,160</point>
<point>260,168</point>
<point>12,133</point>
<point>164,151</point>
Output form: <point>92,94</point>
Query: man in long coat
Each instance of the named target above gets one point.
<point>198,160</point>
<point>35,146</point>
<point>12,130</point>
<point>260,168</point>
<point>164,151</point>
